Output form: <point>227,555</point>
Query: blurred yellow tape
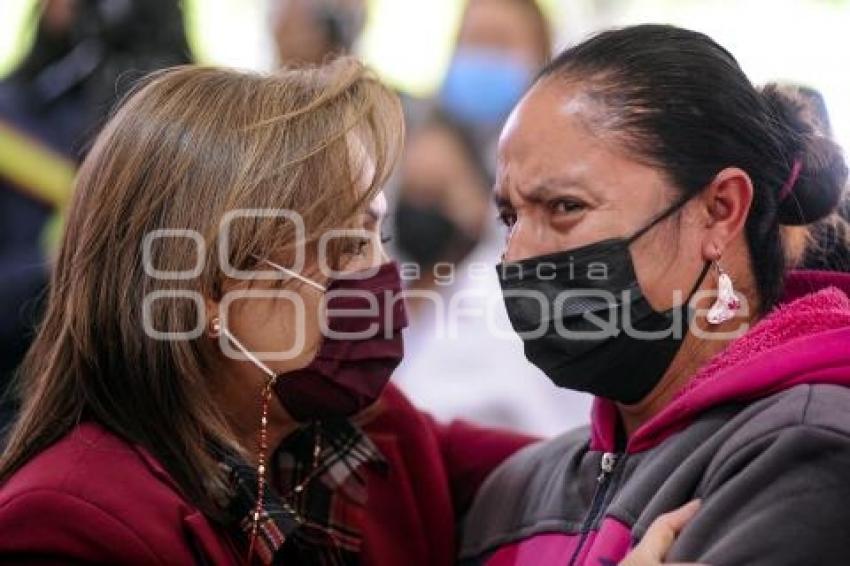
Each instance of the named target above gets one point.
<point>34,168</point>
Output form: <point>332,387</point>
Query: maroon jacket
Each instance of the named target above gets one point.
<point>93,497</point>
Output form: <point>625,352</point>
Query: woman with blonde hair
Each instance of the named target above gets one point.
<point>153,427</point>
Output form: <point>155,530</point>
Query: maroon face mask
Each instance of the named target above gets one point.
<point>361,347</point>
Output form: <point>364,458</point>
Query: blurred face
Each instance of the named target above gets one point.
<point>501,44</point>
<point>502,25</point>
<point>436,172</point>
<point>563,183</point>
<point>298,37</point>
<point>58,15</point>
<point>299,33</point>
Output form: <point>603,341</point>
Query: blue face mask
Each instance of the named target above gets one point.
<point>483,85</point>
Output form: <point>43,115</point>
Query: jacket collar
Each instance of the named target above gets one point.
<point>806,340</point>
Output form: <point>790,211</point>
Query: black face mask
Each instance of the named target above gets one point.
<point>427,236</point>
<point>585,322</point>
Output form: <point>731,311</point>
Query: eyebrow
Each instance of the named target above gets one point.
<point>539,193</point>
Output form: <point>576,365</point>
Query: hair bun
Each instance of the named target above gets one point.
<point>822,178</point>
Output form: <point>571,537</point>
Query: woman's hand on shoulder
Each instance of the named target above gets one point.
<point>660,537</point>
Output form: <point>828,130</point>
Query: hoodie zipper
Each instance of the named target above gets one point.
<point>603,482</point>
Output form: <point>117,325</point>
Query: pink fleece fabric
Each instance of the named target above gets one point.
<point>811,314</point>
<point>804,341</point>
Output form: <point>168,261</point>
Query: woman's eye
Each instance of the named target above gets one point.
<point>385,239</point>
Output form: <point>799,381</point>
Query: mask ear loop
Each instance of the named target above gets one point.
<point>262,445</point>
<point>251,357</point>
<point>266,398</point>
<point>296,275</point>
<point>699,282</point>
<point>658,219</point>
<point>697,285</point>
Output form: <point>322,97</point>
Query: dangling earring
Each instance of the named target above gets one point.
<point>258,515</point>
<point>727,303</point>
<point>262,449</point>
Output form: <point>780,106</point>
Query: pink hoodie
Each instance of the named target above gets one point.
<point>804,340</point>
<point>761,433</point>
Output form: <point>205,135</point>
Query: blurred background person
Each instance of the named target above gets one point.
<point>310,32</point>
<point>462,360</point>
<point>828,242</point>
<point>829,248</point>
<point>84,56</point>
<point>501,44</point>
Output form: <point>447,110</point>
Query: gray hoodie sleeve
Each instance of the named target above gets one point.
<point>779,497</point>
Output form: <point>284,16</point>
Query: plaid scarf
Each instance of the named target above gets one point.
<point>301,521</point>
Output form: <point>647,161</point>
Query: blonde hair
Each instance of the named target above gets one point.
<point>188,146</point>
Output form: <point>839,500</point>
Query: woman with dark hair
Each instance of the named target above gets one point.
<point>645,182</point>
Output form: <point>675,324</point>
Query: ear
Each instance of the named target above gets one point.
<point>727,202</point>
